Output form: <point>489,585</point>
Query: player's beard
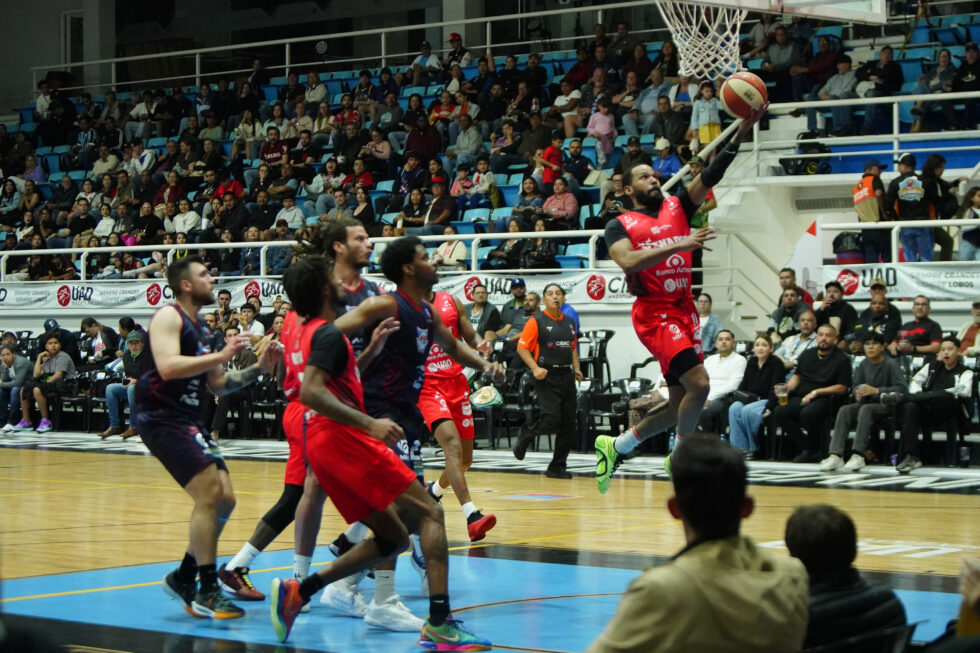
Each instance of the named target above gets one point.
<point>204,297</point>
<point>650,201</point>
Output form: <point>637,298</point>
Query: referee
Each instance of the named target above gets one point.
<point>548,347</point>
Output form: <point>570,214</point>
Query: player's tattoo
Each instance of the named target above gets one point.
<point>238,379</point>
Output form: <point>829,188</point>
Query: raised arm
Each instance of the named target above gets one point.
<point>698,189</point>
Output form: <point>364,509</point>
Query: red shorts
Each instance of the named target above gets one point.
<point>448,399</point>
<point>666,328</point>
<point>358,473</point>
<point>292,425</point>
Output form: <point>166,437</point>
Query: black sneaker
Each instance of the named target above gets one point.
<point>807,456</point>
<point>558,473</point>
<point>523,442</point>
<point>183,592</point>
<point>428,489</point>
<point>340,546</point>
<point>214,604</point>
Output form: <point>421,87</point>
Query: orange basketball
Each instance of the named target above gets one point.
<point>743,92</point>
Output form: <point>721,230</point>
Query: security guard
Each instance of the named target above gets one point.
<point>548,347</point>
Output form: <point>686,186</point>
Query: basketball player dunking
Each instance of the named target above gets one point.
<point>653,245</point>
<point>168,397</point>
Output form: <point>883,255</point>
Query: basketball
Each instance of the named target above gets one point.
<point>743,92</point>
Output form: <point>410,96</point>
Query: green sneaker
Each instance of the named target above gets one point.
<point>450,636</point>
<point>667,467</point>
<point>607,460</point>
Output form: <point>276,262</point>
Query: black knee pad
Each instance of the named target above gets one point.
<point>282,514</point>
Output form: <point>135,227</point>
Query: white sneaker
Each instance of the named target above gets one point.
<point>344,597</point>
<point>392,615</point>
<point>7,428</point>
<point>831,462</point>
<point>855,463</point>
<point>418,563</point>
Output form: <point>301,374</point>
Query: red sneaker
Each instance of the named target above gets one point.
<point>237,583</point>
<point>477,524</point>
<point>286,604</point>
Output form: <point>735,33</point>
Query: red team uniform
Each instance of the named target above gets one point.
<point>292,417</point>
<point>359,473</point>
<point>664,314</point>
<point>445,392</point>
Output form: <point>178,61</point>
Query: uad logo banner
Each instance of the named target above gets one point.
<point>595,287</point>
<point>850,281</point>
<point>65,295</point>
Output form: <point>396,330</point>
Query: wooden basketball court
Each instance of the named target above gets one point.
<point>87,535</point>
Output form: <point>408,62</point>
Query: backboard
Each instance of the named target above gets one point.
<point>842,11</point>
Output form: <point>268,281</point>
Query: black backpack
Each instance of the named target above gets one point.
<point>810,165</point>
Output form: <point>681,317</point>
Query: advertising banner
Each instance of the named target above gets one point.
<point>938,281</point>
<point>581,288</point>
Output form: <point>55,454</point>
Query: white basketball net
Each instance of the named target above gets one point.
<point>706,37</point>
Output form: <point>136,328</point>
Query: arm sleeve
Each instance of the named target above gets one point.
<point>529,336</point>
<point>328,351</point>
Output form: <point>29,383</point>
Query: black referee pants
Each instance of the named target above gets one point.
<point>556,401</point>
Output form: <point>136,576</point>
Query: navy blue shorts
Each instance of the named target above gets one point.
<point>409,418</point>
<point>184,448</point>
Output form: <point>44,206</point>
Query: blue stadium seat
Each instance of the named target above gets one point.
<point>385,185</point>
<point>949,35</point>
<point>568,262</point>
<point>46,190</point>
<point>78,175</point>
<point>958,19</point>
<point>157,141</point>
<point>278,81</point>
<point>271,94</point>
<point>464,226</point>
<point>477,214</point>
<point>911,68</point>
<point>26,115</point>
<point>510,192</point>
<point>920,35</point>
<point>580,250</point>
<point>389,218</point>
<point>60,149</point>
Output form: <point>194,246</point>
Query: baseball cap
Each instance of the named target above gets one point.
<point>281,221</point>
<point>907,159</point>
<point>695,159</point>
<point>874,163</point>
<point>9,334</point>
<point>455,37</point>
<point>878,282</point>
<point>424,44</point>
<point>972,45</point>
<point>517,281</point>
<point>661,144</point>
<point>633,140</point>
<point>843,58</point>
<point>439,180</point>
<point>50,324</point>
<point>835,284</point>
<point>133,336</point>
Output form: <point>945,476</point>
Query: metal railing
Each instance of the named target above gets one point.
<point>383,56</point>
<point>895,226</point>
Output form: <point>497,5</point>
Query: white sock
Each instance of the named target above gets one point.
<point>244,557</point>
<point>437,490</point>
<point>301,565</point>
<point>468,509</point>
<point>356,532</point>
<point>384,585</point>
<point>626,441</point>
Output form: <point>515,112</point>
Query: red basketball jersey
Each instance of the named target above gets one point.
<point>439,365</point>
<point>346,386</point>
<point>671,278</point>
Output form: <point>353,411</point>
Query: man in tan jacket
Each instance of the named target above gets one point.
<point>721,593</point>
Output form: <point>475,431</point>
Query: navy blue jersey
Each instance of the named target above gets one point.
<point>360,338</point>
<point>178,397</point>
<point>395,375</point>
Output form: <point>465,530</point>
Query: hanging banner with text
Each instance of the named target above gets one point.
<point>581,288</point>
<point>937,281</point>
